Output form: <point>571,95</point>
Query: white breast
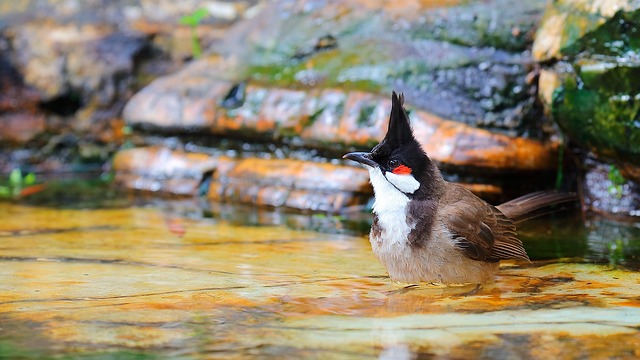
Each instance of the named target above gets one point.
<point>390,206</point>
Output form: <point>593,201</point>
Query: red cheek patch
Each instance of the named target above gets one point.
<point>402,170</point>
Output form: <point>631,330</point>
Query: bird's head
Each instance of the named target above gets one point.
<point>399,160</point>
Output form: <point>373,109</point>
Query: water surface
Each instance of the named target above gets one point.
<point>129,279</point>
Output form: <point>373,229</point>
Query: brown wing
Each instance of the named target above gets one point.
<point>480,230</point>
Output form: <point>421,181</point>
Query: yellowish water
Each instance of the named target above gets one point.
<point>138,281</point>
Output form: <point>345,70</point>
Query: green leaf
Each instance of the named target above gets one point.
<point>200,14</point>
<point>5,192</point>
<point>30,179</point>
<point>615,176</point>
<point>15,178</point>
<point>195,18</point>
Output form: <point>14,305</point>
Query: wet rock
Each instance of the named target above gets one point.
<point>78,65</point>
<point>268,182</point>
<point>329,119</point>
<point>590,89</point>
<point>185,102</point>
<point>467,62</point>
<point>291,183</point>
<point>285,81</point>
<point>607,192</point>
<point>296,184</point>
<point>160,170</point>
<point>597,105</point>
<point>18,128</point>
<point>569,25</point>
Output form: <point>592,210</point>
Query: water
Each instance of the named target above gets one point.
<point>98,274</point>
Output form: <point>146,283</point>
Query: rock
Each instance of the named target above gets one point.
<point>76,63</point>
<point>295,184</point>
<point>14,94</point>
<point>300,84</point>
<point>609,194</point>
<point>286,83</point>
<point>267,182</point>
<point>184,102</point>
<point>597,105</point>
<point>568,25</point>
<point>19,118</point>
<point>88,61</point>
<point>591,91</point>
<point>329,119</point>
<point>291,183</point>
<point>467,62</point>
<point>161,170</point>
<point>159,19</point>
<point>18,128</point>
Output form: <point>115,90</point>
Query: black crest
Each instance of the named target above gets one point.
<point>399,132</point>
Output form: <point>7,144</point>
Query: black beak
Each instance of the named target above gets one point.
<point>361,157</point>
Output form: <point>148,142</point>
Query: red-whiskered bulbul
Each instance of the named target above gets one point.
<point>426,229</point>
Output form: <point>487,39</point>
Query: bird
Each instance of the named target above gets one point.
<point>428,230</point>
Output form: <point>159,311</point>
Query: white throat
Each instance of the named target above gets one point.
<point>390,206</point>
<point>405,182</point>
<point>387,196</point>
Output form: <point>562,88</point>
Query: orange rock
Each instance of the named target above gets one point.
<point>158,169</point>
<point>291,183</point>
<point>297,184</point>
<point>322,118</point>
<point>20,127</point>
<point>330,119</point>
<point>360,119</point>
<point>185,100</point>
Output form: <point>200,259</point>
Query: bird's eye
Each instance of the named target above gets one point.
<point>393,163</point>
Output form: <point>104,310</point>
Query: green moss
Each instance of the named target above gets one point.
<point>617,180</point>
<point>325,69</point>
<point>598,105</point>
<point>314,116</point>
<point>617,36</point>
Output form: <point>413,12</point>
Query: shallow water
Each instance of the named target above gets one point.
<point>121,278</point>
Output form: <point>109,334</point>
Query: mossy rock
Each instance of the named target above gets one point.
<point>596,93</point>
<point>460,61</point>
<point>598,106</point>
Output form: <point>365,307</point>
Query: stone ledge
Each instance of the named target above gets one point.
<point>296,184</point>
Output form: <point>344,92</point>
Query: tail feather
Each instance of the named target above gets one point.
<point>533,205</point>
